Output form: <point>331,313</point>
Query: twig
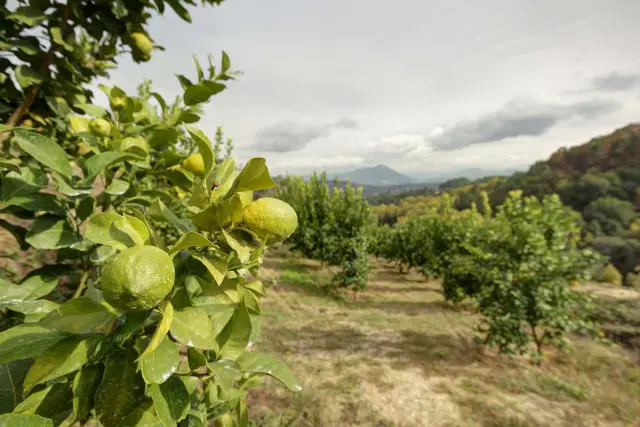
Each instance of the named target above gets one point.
<point>83,284</point>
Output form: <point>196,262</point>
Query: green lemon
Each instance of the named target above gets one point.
<point>118,103</point>
<point>270,217</point>
<point>141,47</point>
<point>195,164</point>
<point>225,420</point>
<point>138,278</point>
<point>100,127</point>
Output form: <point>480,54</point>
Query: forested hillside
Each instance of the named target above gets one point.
<point>600,179</point>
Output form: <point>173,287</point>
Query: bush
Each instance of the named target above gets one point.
<point>90,180</point>
<point>611,275</point>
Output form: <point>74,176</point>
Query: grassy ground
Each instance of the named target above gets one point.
<point>401,356</point>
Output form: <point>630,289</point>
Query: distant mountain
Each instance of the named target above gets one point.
<point>471,173</point>
<point>379,175</point>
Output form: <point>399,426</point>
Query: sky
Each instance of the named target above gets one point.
<point>426,87</point>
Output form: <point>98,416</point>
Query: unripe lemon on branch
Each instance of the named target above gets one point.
<point>270,217</point>
<point>138,278</point>
<point>141,47</point>
<point>100,127</point>
<point>195,164</point>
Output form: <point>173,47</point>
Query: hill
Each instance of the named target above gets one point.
<point>379,175</point>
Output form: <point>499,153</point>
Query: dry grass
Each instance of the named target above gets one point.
<point>401,356</point>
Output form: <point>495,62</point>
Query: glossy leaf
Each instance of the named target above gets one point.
<point>92,109</point>
<point>241,248</point>
<point>161,363</point>
<point>192,327</point>
<point>38,202</point>
<point>255,176</point>
<point>259,363</point>
<point>80,315</point>
<point>160,212</point>
<point>216,266</point>
<point>65,357</point>
<point>51,232</point>
<point>195,358</point>
<point>12,375</point>
<point>196,94</point>
<point>143,416</point>
<point>120,390</point>
<point>47,402</point>
<point>44,150</point>
<point>85,208</point>
<point>24,420</point>
<point>9,164</point>
<point>234,338</point>
<point>29,181</point>
<point>163,328</point>
<point>108,228</point>
<point>190,239</point>
<point>171,400</point>
<point>226,372</point>
<point>27,340</point>
<point>85,383</point>
<point>19,233</point>
<point>99,162</point>
<point>117,187</point>
<point>255,286</point>
<point>39,307</point>
<point>32,288</point>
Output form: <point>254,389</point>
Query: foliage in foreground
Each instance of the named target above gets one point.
<point>333,226</point>
<point>123,328</point>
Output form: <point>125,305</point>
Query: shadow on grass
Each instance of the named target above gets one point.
<point>406,349</point>
<point>413,308</point>
<point>399,289</point>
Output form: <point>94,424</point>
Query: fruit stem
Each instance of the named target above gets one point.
<point>83,284</point>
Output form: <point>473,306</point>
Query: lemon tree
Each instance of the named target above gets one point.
<point>120,327</point>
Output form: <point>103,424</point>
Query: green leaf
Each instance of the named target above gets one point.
<point>191,239</point>
<point>92,109</point>
<point>36,309</point>
<point>26,76</point>
<point>18,233</point>
<point>179,9</point>
<point>30,180</point>
<point>226,62</point>
<point>143,416</point>
<point>214,87</point>
<point>24,420</point>
<point>99,162</point>
<point>68,190</point>
<point>179,177</point>
<point>120,390</point>
<point>56,35</point>
<point>65,357</point>
<point>27,340</point>
<point>79,315</point>
<point>155,237</point>
<point>259,363</point>
<point>227,372</point>
<point>117,187</point>
<point>160,212</point>
<point>212,297</point>
<point>134,322</point>
<point>255,176</point>
<point>32,288</point>
<point>243,414</point>
<point>161,363</point>
<point>51,232</point>
<point>84,387</point>
<point>12,376</point>
<point>255,286</point>
<point>9,164</point>
<point>85,208</point>
<point>111,229</point>
<point>28,15</point>
<point>45,150</point>
<point>192,327</point>
<point>196,94</point>
<point>101,253</point>
<point>47,402</point>
<point>216,266</point>
<point>166,309</point>
<point>234,338</point>
<point>239,246</point>
<point>195,358</point>
<point>171,400</point>
<point>36,203</point>
<point>205,149</point>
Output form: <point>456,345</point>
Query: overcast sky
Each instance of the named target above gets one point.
<point>423,86</point>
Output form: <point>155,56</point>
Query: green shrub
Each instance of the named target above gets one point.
<point>611,275</point>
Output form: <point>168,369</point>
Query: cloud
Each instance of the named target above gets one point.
<point>288,136</point>
<point>616,82</point>
<point>398,144</point>
<point>315,163</point>
<point>519,117</point>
